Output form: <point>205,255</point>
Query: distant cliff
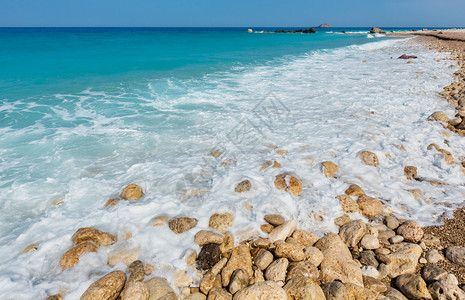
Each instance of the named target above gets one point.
<point>325,25</point>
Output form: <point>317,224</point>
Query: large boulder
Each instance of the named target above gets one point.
<point>376,30</point>
<point>107,287</point>
<point>265,290</point>
<point>337,263</point>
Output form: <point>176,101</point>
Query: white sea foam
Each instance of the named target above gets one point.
<point>328,105</point>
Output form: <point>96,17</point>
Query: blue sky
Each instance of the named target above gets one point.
<point>239,13</point>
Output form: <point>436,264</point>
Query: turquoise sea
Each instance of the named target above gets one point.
<point>86,111</point>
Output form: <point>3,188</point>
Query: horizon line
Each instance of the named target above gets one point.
<point>458,27</point>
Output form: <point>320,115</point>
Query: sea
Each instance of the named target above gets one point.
<point>187,114</point>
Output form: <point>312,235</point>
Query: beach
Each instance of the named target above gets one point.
<point>323,175</point>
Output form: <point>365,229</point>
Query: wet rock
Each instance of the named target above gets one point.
<point>221,222</point>
<point>433,273</point>
<point>132,192</point>
<point>240,259</point>
<point>111,202</point>
<point>263,259</point>
<point>354,190</point>
<point>439,116</point>
<point>263,290</point>
<point>182,278</point>
<point>403,259</point>
<point>412,286</point>
<point>71,257</point>
<point>92,234</point>
<point>159,288</point>
<point>211,279</point>
<point>342,220</point>
<point>369,158</point>
<point>243,186</point>
<point>262,243</point>
<point>433,256</point>
<point>283,231</point>
<point>219,294</point>
<point>405,56</point>
<point>411,231</point>
<point>182,224</point>
<point>369,242</point>
<point>303,288</point>
<point>55,297</point>
<point>291,251</point>
<point>32,247</point>
<point>352,232</point>
<point>302,269</point>
<point>275,219</point>
<point>329,168</point>
<point>136,271</point>
<point>348,205</point>
<point>376,30</point>
<point>368,258</point>
<point>410,172</point>
<point>391,222</point>
<point>456,254</point>
<point>305,238</point>
<point>228,243</point>
<point>136,291</point>
<point>313,255</point>
<point>446,289</point>
<point>335,290</point>
<point>288,183</point>
<point>204,237</point>
<point>107,287</point>
<point>277,270</point>
<point>337,263</point>
<point>369,206</point>
<point>267,228</point>
<point>123,253</point>
<point>159,221</point>
<point>209,255</point>
<point>239,280</point>
<point>196,296</point>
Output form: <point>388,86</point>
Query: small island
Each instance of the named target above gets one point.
<point>325,25</point>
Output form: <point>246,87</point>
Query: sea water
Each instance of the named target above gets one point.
<point>85,112</point>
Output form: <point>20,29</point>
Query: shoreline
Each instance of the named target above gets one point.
<point>300,262</point>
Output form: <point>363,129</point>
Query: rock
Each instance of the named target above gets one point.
<point>196,296</point>
<point>384,236</point>
<point>71,257</point>
<point>376,30</point>
<point>111,202</point>
<point>159,288</point>
<point>249,30</point>
<point>369,242</point>
<point>209,255</point>
<point>149,268</point>
<point>446,289</point>
<point>412,286</point>
<point>266,290</point>
<point>374,284</point>
<point>369,158</point>
<point>433,273</point>
<point>263,259</point>
<point>283,231</point>
<point>277,270</point>
<point>219,294</point>
<point>159,221</point>
<point>433,256</point>
<point>291,251</point>
<point>302,269</point>
<point>240,259</point>
<point>391,222</point>
<point>431,241</point>
<point>411,231</point>
<point>303,288</point>
<point>396,239</point>
<point>416,193</point>
<point>335,290</point>
<point>329,168</point>
<point>311,30</point>
<point>348,205</point>
<point>393,294</point>
<point>403,259</point>
<point>410,172</point>
<point>136,291</point>
<point>91,234</point>
<point>228,243</point>
<point>136,272</point>
<point>182,278</point>
<point>337,263</point>
<point>262,243</point>
<point>274,220</point>
<point>325,25</point>
<point>204,237</point>
<point>370,271</point>
<point>267,228</point>
<point>359,292</point>
<point>243,186</point>
<point>305,238</point>
<point>132,192</point>
<point>209,281</point>
<point>439,116</point>
<point>342,220</point>
<point>123,253</point>
<point>405,56</point>
<point>182,224</point>
<point>352,232</point>
<point>239,280</point>
<point>288,183</point>
<point>369,206</point>
<point>456,254</point>
<point>368,258</point>
<point>221,221</point>
<point>107,287</point>
<point>354,190</point>
<point>313,255</point>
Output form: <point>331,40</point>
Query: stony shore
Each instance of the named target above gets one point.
<point>379,257</point>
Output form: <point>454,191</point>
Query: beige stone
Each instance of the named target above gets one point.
<point>413,286</point>
<point>288,183</point>
<point>221,222</point>
<point>410,172</point>
<point>411,231</point>
<point>291,251</point>
<point>182,224</point>
<point>302,269</point>
<point>71,257</point>
<point>313,255</point>
<point>369,158</point>
<point>439,116</point>
<point>277,270</point>
<point>342,220</point>
<point>135,271</point>
<point>240,259</point>
<point>267,228</point>
<point>303,288</point>
<point>132,192</point>
<point>111,202</point>
<point>348,205</point>
<point>107,287</point>
<point>369,206</point>
<point>329,168</point>
<point>263,259</point>
<point>305,238</point>
<point>239,280</point>
<point>274,219</point>
<point>352,232</point>
<point>159,221</point>
<point>369,242</point>
<point>136,291</point>
<point>354,190</point>
<point>159,288</point>
<point>283,231</point>
<point>243,186</point>
<point>204,237</point>
<point>266,290</point>
<point>123,253</point>
<point>92,234</point>
<point>403,259</point>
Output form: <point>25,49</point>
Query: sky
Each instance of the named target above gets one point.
<point>227,13</point>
